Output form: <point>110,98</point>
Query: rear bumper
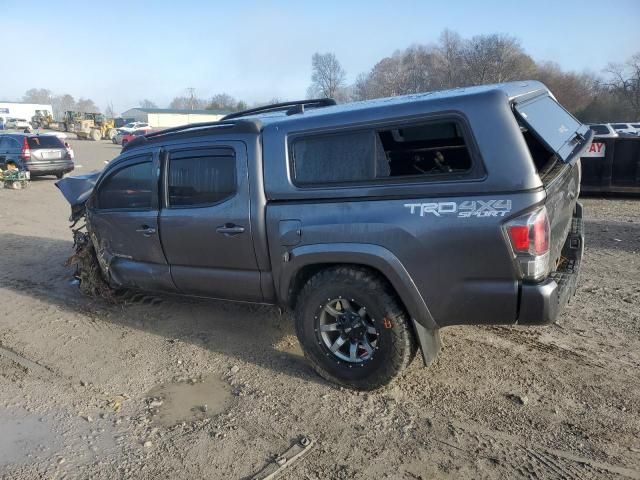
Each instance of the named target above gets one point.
<point>49,168</point>
<point>542,303</point>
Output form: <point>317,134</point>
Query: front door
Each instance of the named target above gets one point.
<point>205,221</point>
<point>123,217</point>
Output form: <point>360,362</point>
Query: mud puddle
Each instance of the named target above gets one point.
<point>25,436</point>
<point>195,399</point>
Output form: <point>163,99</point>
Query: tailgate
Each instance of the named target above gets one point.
<point>47,154</point>
<point>562,195</point>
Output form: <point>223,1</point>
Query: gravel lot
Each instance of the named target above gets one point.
<point>168,387</point>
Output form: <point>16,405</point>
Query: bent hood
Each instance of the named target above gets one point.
<point>77,189</point>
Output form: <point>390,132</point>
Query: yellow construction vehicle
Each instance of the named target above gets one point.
<point>42,119</point>
<point>92,126</point>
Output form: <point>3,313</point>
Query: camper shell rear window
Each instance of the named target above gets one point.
<point>550,123</point>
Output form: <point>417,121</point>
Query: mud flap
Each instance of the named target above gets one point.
<point>429,341</point>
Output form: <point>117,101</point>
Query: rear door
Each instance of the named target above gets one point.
<point>205,221</point>
<point>123,219</point>
<point>4,149</point>
<point>567,138</point>
<point>10,150</point>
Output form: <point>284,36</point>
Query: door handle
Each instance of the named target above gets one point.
<point>146,230</point>
<point>230,229</point>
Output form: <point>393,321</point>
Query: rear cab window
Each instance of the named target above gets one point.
<point>599,129</point>
<point>424,151</point>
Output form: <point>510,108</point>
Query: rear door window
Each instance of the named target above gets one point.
<point>555,126</point>
<point>196,179</point>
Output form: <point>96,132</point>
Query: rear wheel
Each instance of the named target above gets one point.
<point>95,135</point>
<point>353,329</point>
<point>59,175</point>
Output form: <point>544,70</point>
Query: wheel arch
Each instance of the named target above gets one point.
<point>305,261</point>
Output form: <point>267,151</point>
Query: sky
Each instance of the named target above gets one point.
<point>123,52</point>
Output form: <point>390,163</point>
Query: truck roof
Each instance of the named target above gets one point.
<point>254,120</point>
<point>511,91</point>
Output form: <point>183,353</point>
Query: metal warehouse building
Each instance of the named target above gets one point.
<point>170,117</point>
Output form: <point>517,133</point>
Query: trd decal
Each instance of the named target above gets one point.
<point>465,209</point>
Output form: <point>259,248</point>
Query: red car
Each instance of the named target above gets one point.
<point>127,137</point>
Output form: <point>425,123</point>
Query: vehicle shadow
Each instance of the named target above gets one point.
<point>258,334</point>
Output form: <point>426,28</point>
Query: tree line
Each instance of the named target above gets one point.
<point>612,95</point>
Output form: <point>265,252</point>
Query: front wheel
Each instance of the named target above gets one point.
<point>352,328</point>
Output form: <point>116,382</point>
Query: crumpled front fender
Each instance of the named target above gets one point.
<point>77,190</point>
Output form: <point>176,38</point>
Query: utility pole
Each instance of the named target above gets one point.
<point>192,95</point>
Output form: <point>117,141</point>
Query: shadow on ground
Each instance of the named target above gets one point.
<point>34,266</point>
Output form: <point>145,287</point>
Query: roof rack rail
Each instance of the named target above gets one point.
<point>254,126</point>
<point>187,127</point>
<point>301,104</point>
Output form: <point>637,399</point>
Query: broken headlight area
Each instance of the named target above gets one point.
<point>87,267</point>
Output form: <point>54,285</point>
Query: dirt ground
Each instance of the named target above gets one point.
<point>180,388</point>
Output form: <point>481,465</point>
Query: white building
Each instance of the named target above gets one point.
<point>170,117</point>
<point>21,110</point>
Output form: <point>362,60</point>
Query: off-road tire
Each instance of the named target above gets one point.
<point>396,346</point>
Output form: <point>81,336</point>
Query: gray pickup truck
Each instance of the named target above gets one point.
<point>377,222</point>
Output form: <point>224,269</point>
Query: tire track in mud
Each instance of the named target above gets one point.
<point>531,339</point>
<point>527,461</point>
<point>29,365</point>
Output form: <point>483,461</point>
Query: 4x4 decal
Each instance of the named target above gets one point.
<point>464,209</point>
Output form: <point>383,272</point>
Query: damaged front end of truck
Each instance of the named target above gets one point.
<point>77,190</point>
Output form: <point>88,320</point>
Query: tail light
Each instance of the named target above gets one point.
<point>529,237</point>
<point>25,154</point>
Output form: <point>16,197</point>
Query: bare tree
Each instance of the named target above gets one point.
<point>624,82</point>
<point>456,62</point>
<point>38,95</point>
<point>495,58</point>
<point>146,103</point>
<point>448,60</point>
<point>62,103</point>
<point>327,76</point>
<point>109,111</point>
<point>222,101</point>
<point>86,105</point>
<point>187,103</point>
<point>574,91</point>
